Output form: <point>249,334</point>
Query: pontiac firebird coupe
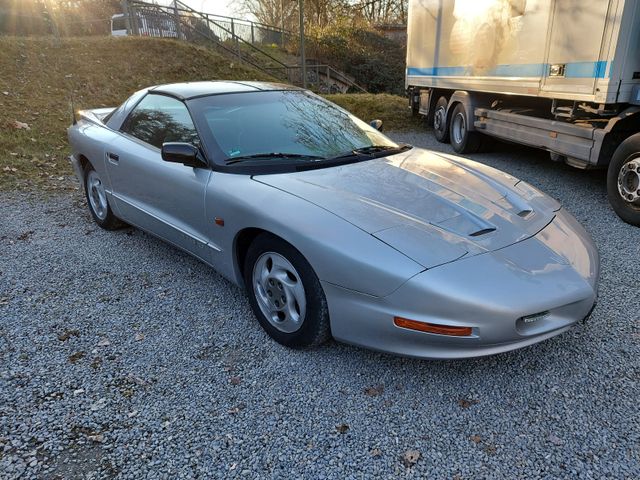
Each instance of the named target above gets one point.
<point>334,229</point>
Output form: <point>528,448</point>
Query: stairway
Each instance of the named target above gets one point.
<point>229,36</point>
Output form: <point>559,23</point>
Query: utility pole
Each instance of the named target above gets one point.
<point>302,59</point>
<point>125,10</point>
<point>53,20</point>
<point>282,23</point>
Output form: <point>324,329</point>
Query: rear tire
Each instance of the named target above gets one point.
<point>623,180</point>
<point>98,202</point>
<point>462,140</point>
<point>285,293</point>
<point>440,124</point>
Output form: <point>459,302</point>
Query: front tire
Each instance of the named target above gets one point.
<point>285,293</point>
<point>463,140</point>
<point>440,126</point>
<point>623,180</point>
<point>97,200</point>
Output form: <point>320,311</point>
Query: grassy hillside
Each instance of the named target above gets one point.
<point>38,75</point>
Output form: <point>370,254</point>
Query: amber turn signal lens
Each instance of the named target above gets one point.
<point>432,327</point>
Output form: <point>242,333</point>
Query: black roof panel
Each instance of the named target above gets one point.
<point>189,90</point>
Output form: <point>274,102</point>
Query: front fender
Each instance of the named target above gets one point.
<point>339,252</point>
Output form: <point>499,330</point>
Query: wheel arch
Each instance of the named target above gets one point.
<point>83,161</point>
<point>627,209</point>
<point>434,96</point>
<point>241,243</point>
<point>468,101</point>
<point>619,128</point>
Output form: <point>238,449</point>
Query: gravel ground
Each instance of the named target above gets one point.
<point>123,357</point>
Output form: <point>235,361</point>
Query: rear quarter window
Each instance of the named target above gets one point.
<point>158,119</point>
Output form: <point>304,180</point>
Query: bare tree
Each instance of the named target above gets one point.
<point>318,13</point>
<point>279,13</point>
<point>384,11</point>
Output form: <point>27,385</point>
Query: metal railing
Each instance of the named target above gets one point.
<point>234,37</point>
<point>252,32</point>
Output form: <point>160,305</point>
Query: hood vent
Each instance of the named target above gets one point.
<point>482,232</point>
<point>525,213</point>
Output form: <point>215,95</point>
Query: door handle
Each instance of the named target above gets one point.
<point>112,157</point>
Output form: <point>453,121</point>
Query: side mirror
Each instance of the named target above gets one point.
<point>185,153</point>
<point>377,124</point>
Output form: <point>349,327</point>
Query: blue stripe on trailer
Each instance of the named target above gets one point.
<point>572,70</point>
<point>586,70</point>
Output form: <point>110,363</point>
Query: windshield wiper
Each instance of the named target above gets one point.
<point>297,156</point>
<point>371,151</point>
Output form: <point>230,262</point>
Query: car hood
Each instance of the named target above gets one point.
<point>432,207</point>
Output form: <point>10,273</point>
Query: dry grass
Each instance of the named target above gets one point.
<point>38,75</point>
<point>393,110</point>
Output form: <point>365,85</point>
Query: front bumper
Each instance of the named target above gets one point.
<point>552,276</point>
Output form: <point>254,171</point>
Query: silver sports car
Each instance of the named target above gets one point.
<point>333,229</point>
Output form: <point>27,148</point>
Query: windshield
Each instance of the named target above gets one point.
<point>280,127</point>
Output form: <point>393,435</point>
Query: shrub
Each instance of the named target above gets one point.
<point>376,62</point>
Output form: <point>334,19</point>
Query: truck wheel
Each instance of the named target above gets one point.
<point>440,127</point>
<point>623,180</point>
<point>462,140</point>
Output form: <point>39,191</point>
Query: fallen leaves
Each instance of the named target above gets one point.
<point>96,363</point>
<point>138,337</point>
<point>74,357</point>
<point>467,402</point>
<point>237,409</point>
<point>374,391</point>
<point>342,428</point>
<point>490,449</point>
<point>235,380</point>
<point>67,334</point>
<point>104,342</point>
<point>18,125</point>
<point>23,237</point>
<point>98,438</point>
<point>410,458</point>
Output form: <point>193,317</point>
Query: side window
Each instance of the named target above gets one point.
<point>158,119</point>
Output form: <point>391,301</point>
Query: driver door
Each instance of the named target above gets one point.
<point>163,198</point>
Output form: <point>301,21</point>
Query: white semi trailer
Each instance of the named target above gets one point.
<point>562,75</point>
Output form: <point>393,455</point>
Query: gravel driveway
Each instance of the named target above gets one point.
<point>123,357</point>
